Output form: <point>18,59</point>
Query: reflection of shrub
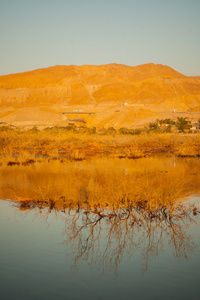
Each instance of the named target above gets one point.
<point>135,153</point>
<point>118,188</point>
<point>77,155</point>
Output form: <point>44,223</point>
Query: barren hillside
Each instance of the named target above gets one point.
<point>101,96</point>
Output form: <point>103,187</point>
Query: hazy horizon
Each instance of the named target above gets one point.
<point>41,34</point>
<point>112,63</point>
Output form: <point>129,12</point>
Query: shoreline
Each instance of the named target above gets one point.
<point>59,143</point>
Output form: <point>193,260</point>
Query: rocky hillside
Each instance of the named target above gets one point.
<point>106,95</point>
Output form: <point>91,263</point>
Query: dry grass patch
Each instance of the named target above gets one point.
<point>60,142</point>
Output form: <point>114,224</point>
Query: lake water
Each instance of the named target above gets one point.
<point>66,254</point>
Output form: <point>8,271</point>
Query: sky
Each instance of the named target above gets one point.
<point>41,33</point>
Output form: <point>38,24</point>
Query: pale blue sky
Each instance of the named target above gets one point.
<point>42,33</point>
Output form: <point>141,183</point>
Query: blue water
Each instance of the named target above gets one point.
<point>37,261</point>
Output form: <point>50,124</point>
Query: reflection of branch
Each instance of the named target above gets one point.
<point>101,237</point>
<point>104,237</point>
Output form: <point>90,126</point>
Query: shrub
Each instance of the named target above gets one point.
<point>34,129</point>
<point>123,130</point>
<point>181,122</point>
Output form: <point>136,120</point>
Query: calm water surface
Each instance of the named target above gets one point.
<point>58,255</point>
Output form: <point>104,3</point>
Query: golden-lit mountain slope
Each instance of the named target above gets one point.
<point>118,95</point>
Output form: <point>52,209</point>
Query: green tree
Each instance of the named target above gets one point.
<point>153,126</point>
<point>123,130</point>
<point>181,122</point>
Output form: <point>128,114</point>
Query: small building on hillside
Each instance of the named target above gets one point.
<point>195,127</point>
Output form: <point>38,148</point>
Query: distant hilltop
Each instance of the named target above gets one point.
<point>117,95</point>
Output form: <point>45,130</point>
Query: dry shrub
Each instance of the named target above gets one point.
<point>186,150</point>
<point>51,142</point>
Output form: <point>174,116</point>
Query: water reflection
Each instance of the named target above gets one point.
<point>102,237</point>
<point>100,179</point>
<point>111,208</point>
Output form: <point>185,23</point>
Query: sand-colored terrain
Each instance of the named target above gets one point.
<point>102,96</point>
